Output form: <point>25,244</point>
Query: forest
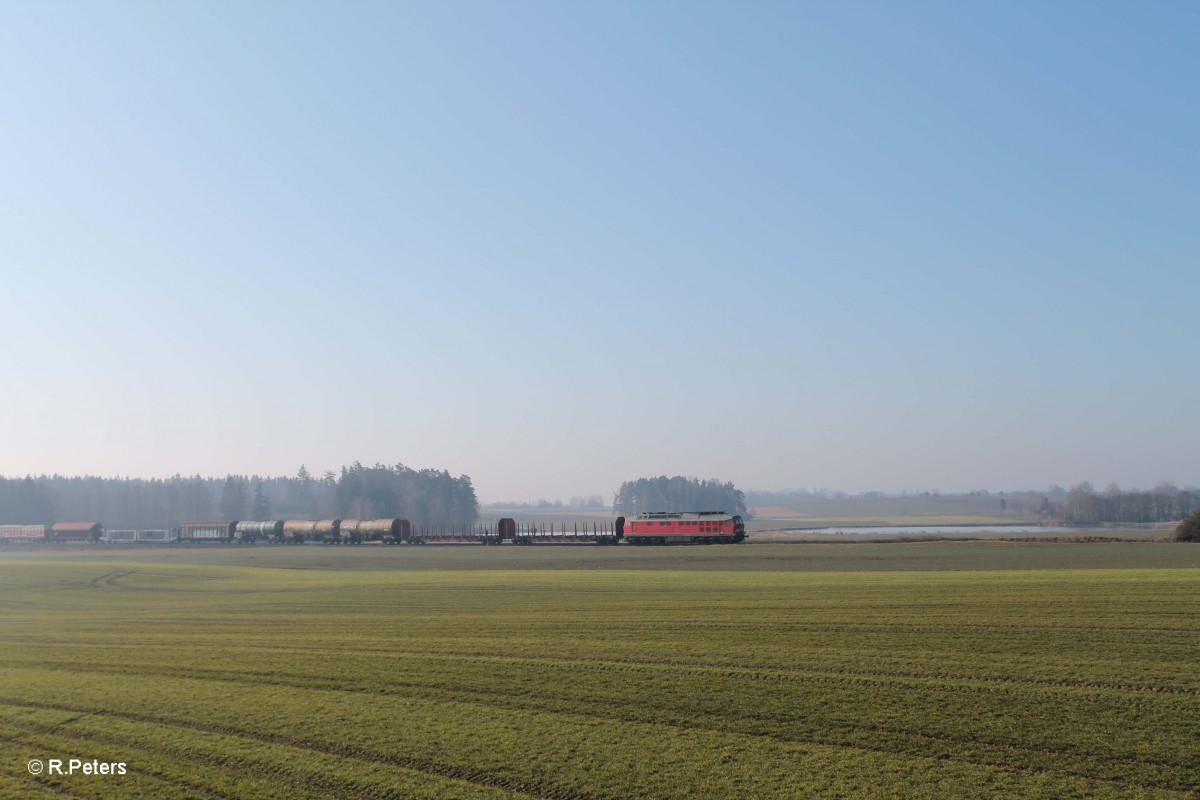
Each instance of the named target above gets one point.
<point>678,494</point>
<point>1084,505</point>
<point>426,496</point>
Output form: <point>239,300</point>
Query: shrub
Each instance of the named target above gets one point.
<point>1189,529</point>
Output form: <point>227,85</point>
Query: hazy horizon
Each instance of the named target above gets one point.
<point>555,247</point>
<point>606,495</point>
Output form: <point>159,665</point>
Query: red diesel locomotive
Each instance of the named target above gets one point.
<point>685,527</point>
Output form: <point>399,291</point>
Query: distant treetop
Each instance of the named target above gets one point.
<point>678,494</point>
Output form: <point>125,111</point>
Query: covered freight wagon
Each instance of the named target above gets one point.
<point>141,535</point>
<point>75,532</point>
<point>207,531</point>
<point>22,533</point>
<point>158,535</point>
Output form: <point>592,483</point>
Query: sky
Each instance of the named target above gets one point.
<point>556,246</point>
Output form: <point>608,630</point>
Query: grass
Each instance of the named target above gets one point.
<point>563,672</point>
<point>995,534</point>
<point>834,554</point>
<point>1017,507</point>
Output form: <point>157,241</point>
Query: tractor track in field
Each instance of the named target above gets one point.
<point>476,777</point>
<point>50,787</point>
<point>1124,693</point>
<point>40,781</point>
<point>508,700</point>
<point>109,579</point>
<point>538,790</point>
<point>192,788</point>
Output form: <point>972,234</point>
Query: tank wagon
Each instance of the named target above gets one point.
<point>246,531</point>
<point>685,527</point>
<point>311,530</point>
<point>388,531</point>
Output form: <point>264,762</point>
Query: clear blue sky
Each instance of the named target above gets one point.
<point>559,245</point>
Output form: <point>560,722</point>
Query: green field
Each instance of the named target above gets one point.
<point>777,523</point>
<point>940,670</point>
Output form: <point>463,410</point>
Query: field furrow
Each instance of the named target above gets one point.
<point>218,682</point>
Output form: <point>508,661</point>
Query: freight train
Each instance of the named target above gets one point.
<point>690,527</point>
<point>58,532</point>
<point>333,531</point>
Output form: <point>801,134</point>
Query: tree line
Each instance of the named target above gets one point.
<point>1083,505</point>
<point>591,501</point>
<point>678,494</point>
<point>425,497</point>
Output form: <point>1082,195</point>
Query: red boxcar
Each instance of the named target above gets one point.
<point>685,527</point>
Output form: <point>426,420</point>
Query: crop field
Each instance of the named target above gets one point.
<point>577,673</point>
<point>997,533</point>
<point>769,523</point>
<point>902,507</point>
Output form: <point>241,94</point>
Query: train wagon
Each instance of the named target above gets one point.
<point>560,533</point>
<point>22,533</point>
<point>685,527</point>
<point>249,531</point>
<point>390,531</point>
<point>458,534</point>
<point>312,530</point>
<point>207,531</point>
<point>130,536</point>
<point>506,528</point>
<point>75,532</point>
<point>162,535</point>
<point>350,532</point>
